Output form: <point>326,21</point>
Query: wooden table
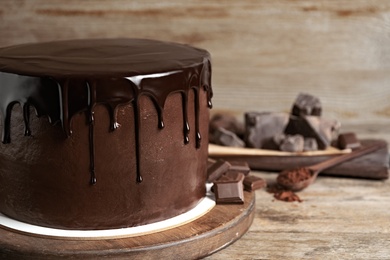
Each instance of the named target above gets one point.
<point>339,218</point>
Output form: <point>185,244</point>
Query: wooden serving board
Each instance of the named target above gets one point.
<point>220,227</point>
<point>371,166</point>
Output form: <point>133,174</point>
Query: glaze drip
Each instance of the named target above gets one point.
<point>65,91</point>
<point>77,96</point>
<point>91,123</point>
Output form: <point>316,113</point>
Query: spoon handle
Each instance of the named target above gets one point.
<point>345,157</point>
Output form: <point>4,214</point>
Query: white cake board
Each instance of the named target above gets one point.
<point>203,207</point>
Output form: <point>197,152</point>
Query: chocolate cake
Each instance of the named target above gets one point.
<point>120,133</point>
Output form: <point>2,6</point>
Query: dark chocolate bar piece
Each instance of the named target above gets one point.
<point>217,169</point>
<point>261,127</point>
<point>229,189</point>
<point>239,166</point>
<point>228,122</point>
<point>348,141</point>
<point>306,105</point>
<point>225,137</point>
<point>252,183</point>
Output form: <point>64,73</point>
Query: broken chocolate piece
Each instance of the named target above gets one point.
<point>261,127</point>
<point>239,166</point>
<point>292,143</point>
<point>311,127</point>
<point>310,144</point>
<point>229,189</point>
<point>306,105</point>
<point>217,170</point>
<point>348,141</point>
<point>227,122</point>
<point>252,183</point>
<point>329,128</point>
<point>225,137</point>
<point>278,139</point>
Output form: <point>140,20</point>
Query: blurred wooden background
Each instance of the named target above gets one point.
<point>264,52</point>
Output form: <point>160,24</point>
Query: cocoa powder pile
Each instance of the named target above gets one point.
<point>293,176</point>
<point>287,196</point>
<point>282,194</point>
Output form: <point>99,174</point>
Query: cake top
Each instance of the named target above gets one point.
<point>98,58</point>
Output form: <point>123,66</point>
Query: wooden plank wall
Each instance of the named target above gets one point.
<point>264,52</point>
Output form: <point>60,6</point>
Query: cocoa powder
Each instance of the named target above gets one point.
<point>282,194</point>
<point>294,176</point>
<point>287,196</point>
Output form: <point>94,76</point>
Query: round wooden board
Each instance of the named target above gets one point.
<point>220,227</point>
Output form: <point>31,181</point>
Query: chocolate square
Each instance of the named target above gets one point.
<point>217,169</point>
<point>229,189</point>
<point>239,166</point>
<point>252,183</point>
<point>348,140</point>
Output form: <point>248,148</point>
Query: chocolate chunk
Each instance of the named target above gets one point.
<point>227,122</point>
<point>217,170</point>
<point>229,189</point>
<point>225,137</point>
<point>348,141</point>
<point>310,144</point>
<point>261,127</point>
<point>306,105</point>
<point>239,166</point>
<point>252,183</point>
<point>312,127</point>
<point>292,143</point>
<point>229,176</point>
<point>278,139</point>
<point>329,128</point>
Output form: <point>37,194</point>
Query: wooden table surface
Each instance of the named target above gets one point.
<point>339,218</point>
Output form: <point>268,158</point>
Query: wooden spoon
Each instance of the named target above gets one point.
<point>299,178</point>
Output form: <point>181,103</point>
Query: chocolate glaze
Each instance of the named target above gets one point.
<point>126,106</point>
<point>62,79</point>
